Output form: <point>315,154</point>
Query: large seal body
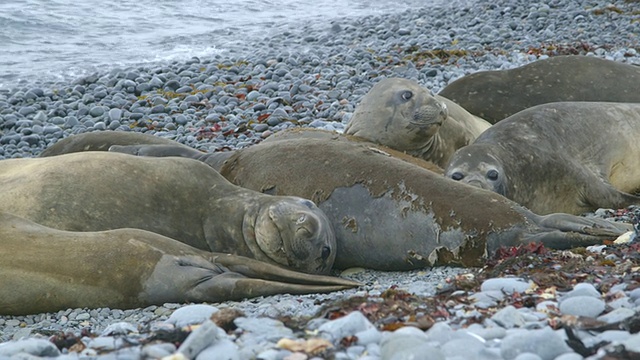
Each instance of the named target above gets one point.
<point>402,115</point>
<point>389,214</point>
<point>44,270</point>
<point>180,198</point>
<point>496,95</point>
<point>568,157</point>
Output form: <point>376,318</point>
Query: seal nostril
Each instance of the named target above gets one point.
<point>326,251</point>
<point>457,176</point>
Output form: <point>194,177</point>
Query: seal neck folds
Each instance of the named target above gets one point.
<point>282,230</point>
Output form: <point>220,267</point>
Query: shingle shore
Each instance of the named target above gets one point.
<point>314,77</point>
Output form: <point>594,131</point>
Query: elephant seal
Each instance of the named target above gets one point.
<point>496,95</point>
<point>180,198</point>
<point>46,270</point>
<point>216,159</point>
<point>389,214</point>
<point>392,215</point>
<point>568,157</point>
<point>402,115</point>
<point>100,141</point>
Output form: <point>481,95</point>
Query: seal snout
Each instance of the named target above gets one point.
<point>433,113</point>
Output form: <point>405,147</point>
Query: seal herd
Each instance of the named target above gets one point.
<point>523,152</point>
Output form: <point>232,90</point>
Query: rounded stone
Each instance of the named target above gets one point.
<point>582,306</point>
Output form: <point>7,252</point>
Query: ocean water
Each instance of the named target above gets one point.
<point>59,40</point>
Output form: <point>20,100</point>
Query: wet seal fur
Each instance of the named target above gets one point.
<point>389,214</point>
<point>571,157</point>
<point>46,270</point>
<point>402,115</point>
<point>180,198</point>
<point>495,95</point>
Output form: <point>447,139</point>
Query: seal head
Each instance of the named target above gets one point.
<point>400,113</point>
<point>293,232</point>
<point>476,166</point>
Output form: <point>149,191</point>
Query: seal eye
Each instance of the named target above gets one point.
<point>326,251</point>
<point>301,219</point>
<point>492,175</point>
<point>407,95</point>
<point>457,176</point>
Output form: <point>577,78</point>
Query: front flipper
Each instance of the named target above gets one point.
<point>214,160</point>
<point>157,150</point>
<point>600,193</point>
<point>588,226</point>
<point>223,277</point>
<point>565,231</point>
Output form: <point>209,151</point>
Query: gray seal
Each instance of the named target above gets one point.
<point>47,270</point>
<point>400,114</point>
<point>180,198</point>
<point>496,95</point>
<point>568,157</point>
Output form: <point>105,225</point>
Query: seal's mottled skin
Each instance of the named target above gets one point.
<point>402,115</point>
<point>571,157</point>
<point>180,198</point>
<point>495,95</point>
<point>47,270</point>
<point>388,213</point>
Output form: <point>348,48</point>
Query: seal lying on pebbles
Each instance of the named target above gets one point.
<point>495,95</point>
<point>391,215</point>
<point>402,115</point>
<point>46,270</point>
<point>180,198</point>
<point>99,141</point>
<point>141,144</point>
<point>571,157</point>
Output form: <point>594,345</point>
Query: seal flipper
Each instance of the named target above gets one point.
<point>233,286</point>
<point>214,160</point>
<point>156,150</point>
<point>245,278</point>
<point>571,223</point>
<point>610,197</point>
<point>258,269</point>
<point>564,231</point>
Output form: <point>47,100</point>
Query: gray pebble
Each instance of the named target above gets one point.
<point>546,343</point>
<point>508,285</point>
<point>36,347</point>
<point>582,306</point>
<point>583,289</point>
<point>191,314</point>
<point>347,325</point>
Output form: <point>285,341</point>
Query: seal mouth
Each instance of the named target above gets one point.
<point>433,114</point>
<point>479,184</point>
<point>269,238</point>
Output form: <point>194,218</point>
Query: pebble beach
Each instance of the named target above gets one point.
<point>526,304</point>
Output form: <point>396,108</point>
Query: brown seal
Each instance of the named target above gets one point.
<point>568,157</point>
<point>496,95</point>
<point>180,198</point>
<point>402,115</point>
<point>46,270</point>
